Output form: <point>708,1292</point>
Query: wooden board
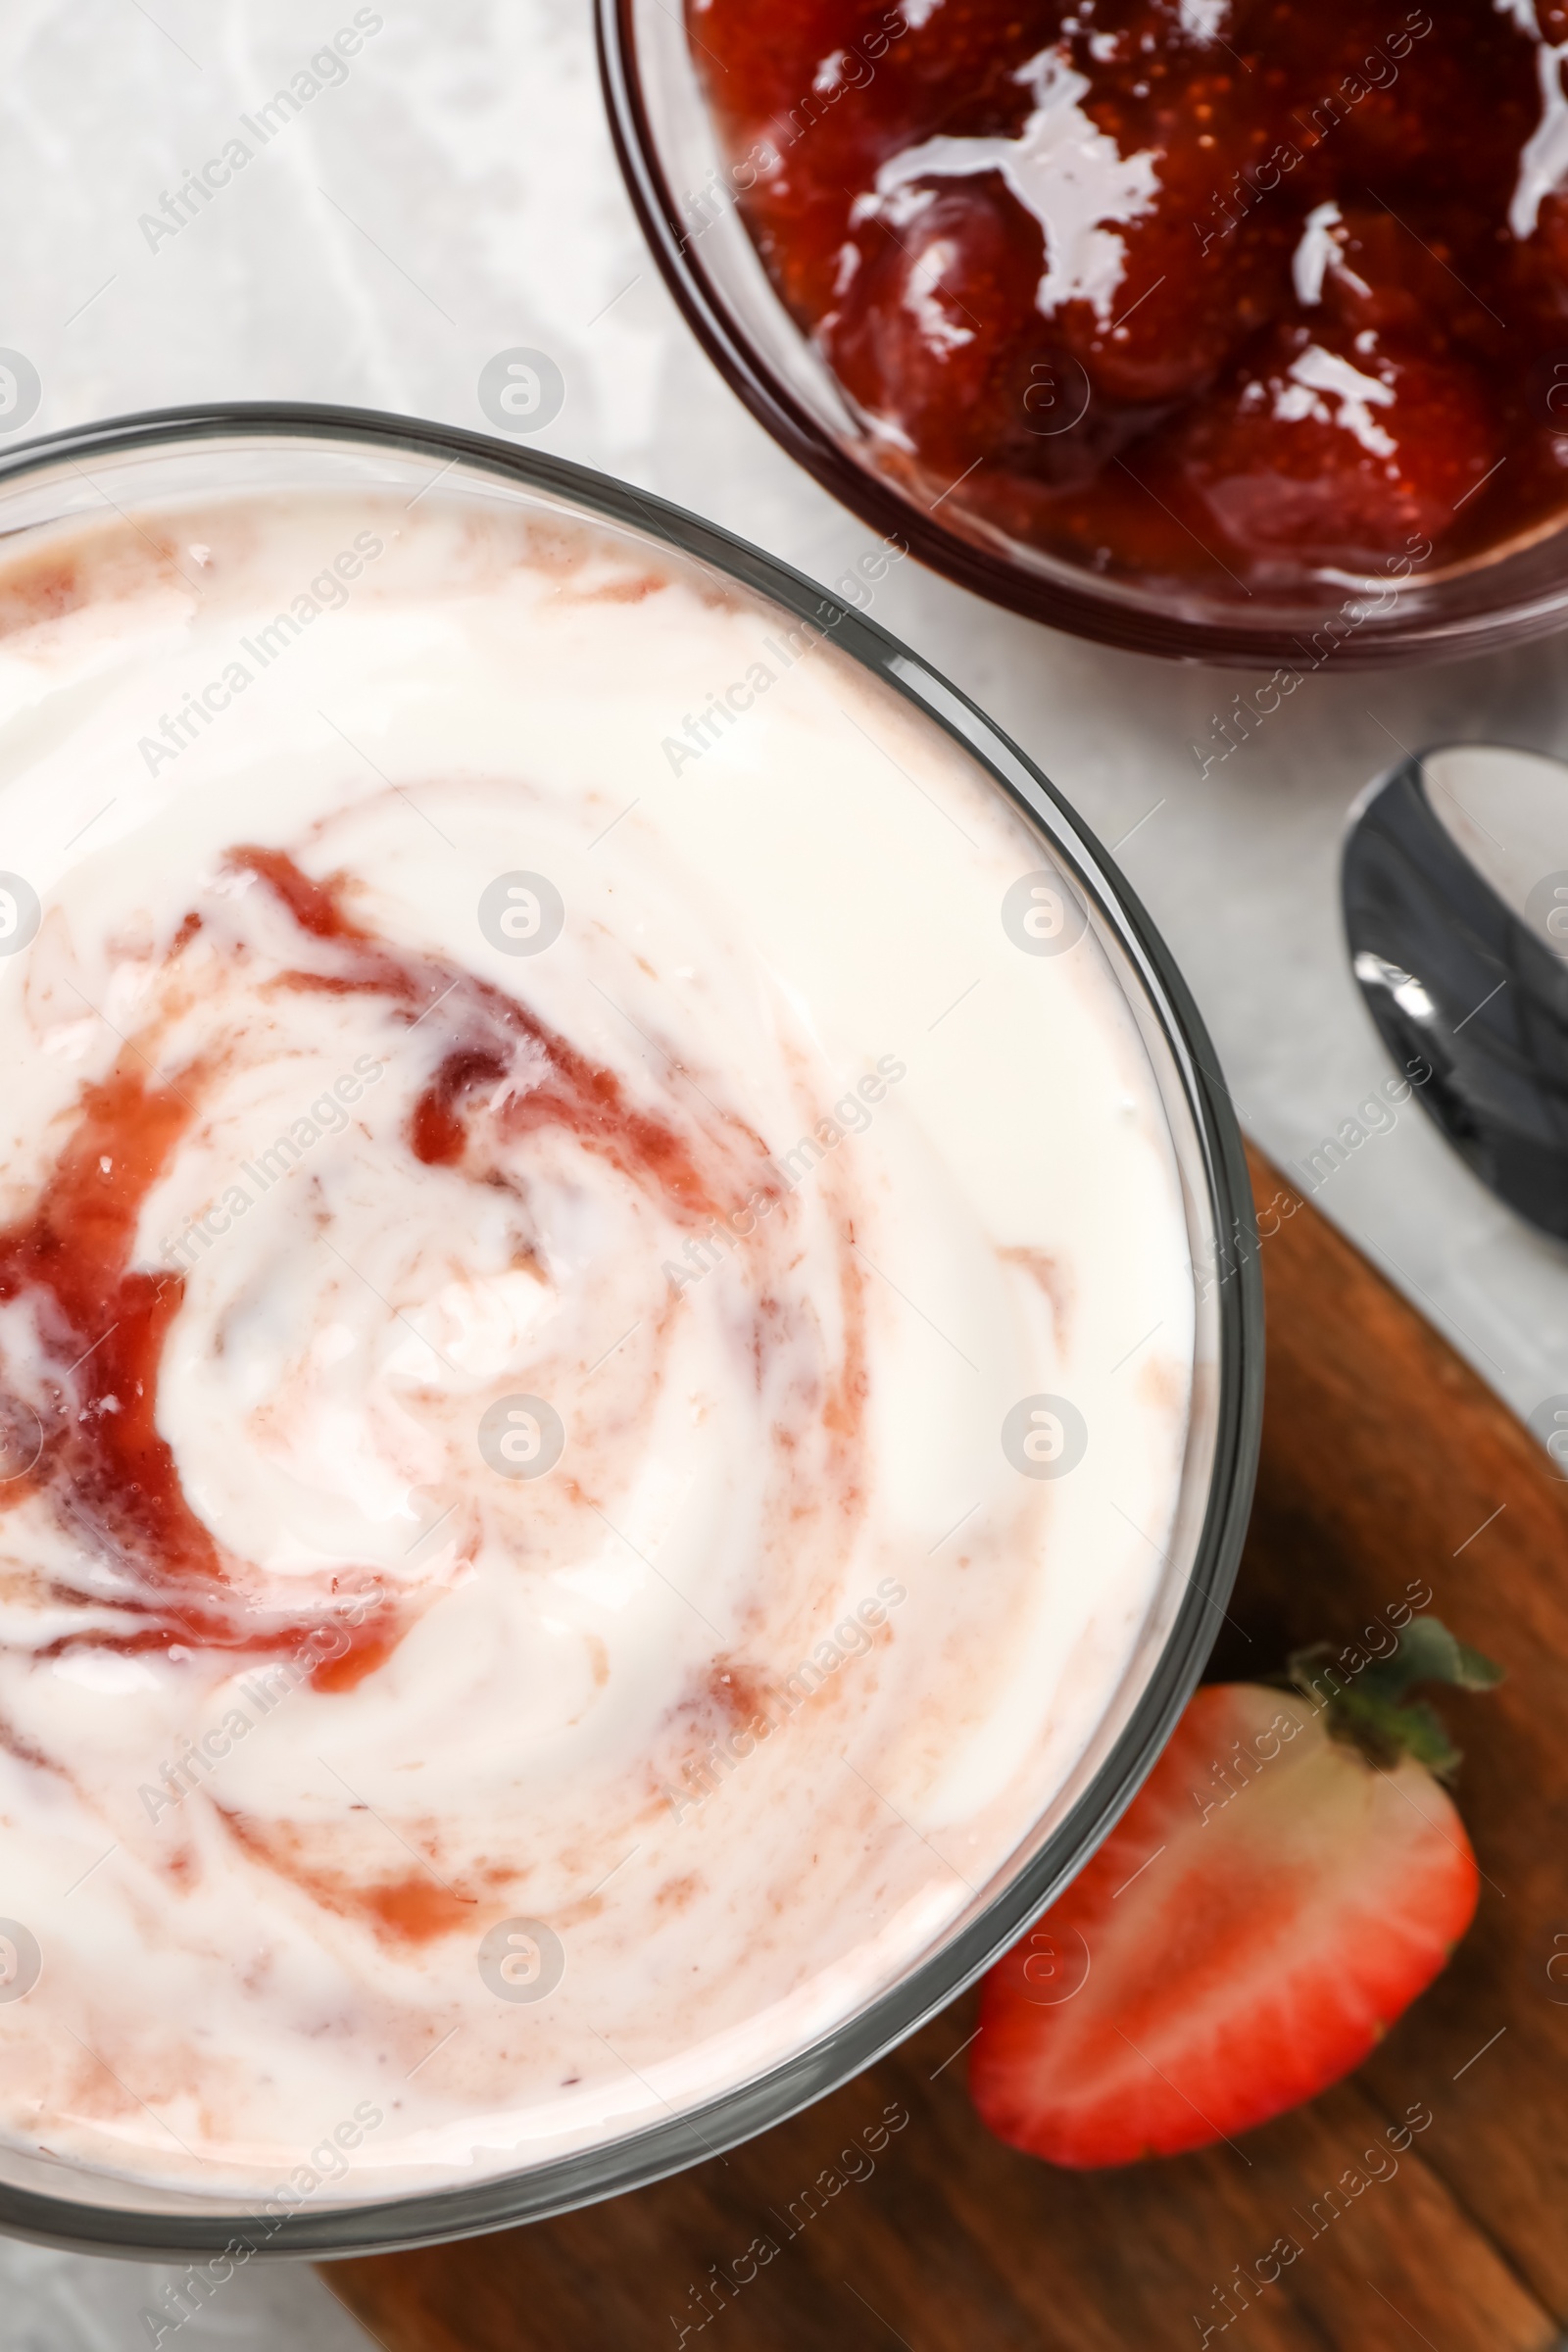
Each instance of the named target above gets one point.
<point>1385,1460</point>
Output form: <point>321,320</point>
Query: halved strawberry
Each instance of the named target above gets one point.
<point>1287,1880</point>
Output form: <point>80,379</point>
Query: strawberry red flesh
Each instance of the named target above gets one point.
<point>1271,1901</point>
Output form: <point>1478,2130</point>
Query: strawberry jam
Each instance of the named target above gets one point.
<point>1241,293</point>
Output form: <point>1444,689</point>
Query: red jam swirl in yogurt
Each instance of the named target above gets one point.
<point>523,1227</point>
<point>1238,292</point>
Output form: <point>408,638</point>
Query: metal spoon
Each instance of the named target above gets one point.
<point>1455,891</point>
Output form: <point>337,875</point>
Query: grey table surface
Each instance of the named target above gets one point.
<point>455,195</point>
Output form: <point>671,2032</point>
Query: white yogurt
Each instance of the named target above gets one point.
<point>768,1187</point>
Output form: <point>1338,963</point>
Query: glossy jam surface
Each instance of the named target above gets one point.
<point>1245,293</point>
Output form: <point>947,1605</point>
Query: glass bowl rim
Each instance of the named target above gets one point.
<point>566,2183</point>
<point>1075,603</point>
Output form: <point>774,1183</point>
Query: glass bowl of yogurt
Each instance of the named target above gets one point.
<point>629,1375</point>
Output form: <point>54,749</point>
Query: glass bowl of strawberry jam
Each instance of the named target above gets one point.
<point>1230,329</point>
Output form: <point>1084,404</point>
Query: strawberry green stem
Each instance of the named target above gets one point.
<point>1369,1708</point>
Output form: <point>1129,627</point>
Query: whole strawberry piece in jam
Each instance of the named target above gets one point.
<point>1339,448</point>
<point>1203,245</point>
<point>1288,1880</point>
<point>1359,267</point>
<point>814,95</point>
<point>1383,95</point>
<point>927,336</point>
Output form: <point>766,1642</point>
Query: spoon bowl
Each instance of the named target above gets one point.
<point>1454,884</point>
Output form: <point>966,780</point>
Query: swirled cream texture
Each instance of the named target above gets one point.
<point>523,1220</point>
